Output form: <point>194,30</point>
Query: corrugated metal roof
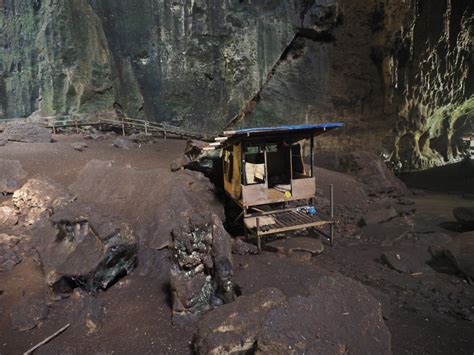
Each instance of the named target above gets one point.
<point>278,129</point>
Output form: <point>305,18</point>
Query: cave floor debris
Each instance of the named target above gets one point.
<point>425,312</point>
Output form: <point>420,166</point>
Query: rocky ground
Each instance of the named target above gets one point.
<point>396,280</point>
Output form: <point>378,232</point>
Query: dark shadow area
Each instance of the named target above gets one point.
<point>455,178</point>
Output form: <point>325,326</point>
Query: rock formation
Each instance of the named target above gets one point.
<point>399,74</point>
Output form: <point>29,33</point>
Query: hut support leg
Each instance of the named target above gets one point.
<point>259,243</point>
<point>331,226</point>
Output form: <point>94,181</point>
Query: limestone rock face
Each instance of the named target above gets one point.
<point>399,74</point>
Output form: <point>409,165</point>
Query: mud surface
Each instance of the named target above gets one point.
<point>427,311</point>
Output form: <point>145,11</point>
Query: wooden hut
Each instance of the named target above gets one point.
<point>269,173</point>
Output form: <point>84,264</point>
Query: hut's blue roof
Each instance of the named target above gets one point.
<point>314,128</point>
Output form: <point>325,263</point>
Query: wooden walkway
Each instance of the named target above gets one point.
<point>126,125</point>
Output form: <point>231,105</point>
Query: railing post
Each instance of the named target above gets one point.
<point>146,128</point>
<point>123,127</point>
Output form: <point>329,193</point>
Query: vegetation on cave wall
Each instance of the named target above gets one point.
<point>397,73</point>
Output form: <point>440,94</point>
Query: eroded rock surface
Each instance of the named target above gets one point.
<point>80,247</point>
<point>201,276</point>
<point>133,193</point>
<point>37,198</point>
<point>25,132</point>
<point>267,322</point>
<point>234,327</point>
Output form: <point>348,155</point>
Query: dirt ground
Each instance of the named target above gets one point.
<point>427,313</point>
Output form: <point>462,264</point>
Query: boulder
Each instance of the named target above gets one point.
<point>373,172</point>
<point>434,242</point>
<point>8,217</point>
<point>240,247</point>
<point>408,261</point>
<point>12,175</point>
<point>28,313</point>
<point>79,146</point>
<point>94,136</point>
<point>234,327</point>
<point>378,216</point>
<point>124,143</point>
<point>202,271</point>
<point>37,198</point>
<point>465,217</point>
<point>79,247</point>
<point>132,193</point>
<point>10,254</point>
<point>339,316</point>
<point>461,251</point>
<point>26,132</point>
<point>3,140</point>
<point>197,159</point>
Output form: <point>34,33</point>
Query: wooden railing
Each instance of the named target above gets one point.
<point>126,124</point>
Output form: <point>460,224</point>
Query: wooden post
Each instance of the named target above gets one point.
<point>123,127</point>
<point>331,226</point>
<point>146,128</point>
<point>75,122</point>
<point>312,156</point>
<point>259,245</point>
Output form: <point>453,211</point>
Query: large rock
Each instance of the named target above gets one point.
<point>461,250</point>
<point>133,193</point>
<point>234,327</point>
<point>8,217</point>
<point>10,253</point>
<point>196,158</point>
<point>373,172</point>
<point>202,272</point>
<point>465,217</point>
<point>80,247</point>
<point>408,261</point>
<point>124,143</point>
<point>37,198</point>
<point>25,132</point>
<point>339,316</point>
<point>12,175</point>
<point>79,146</point>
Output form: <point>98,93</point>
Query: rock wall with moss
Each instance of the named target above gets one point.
<point>399,74</point>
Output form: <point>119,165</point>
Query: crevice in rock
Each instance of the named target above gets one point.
<point>293,51</point>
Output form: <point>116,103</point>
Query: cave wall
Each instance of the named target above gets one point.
<point>398,73</point>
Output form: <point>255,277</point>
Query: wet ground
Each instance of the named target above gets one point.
<point>427,313</point>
